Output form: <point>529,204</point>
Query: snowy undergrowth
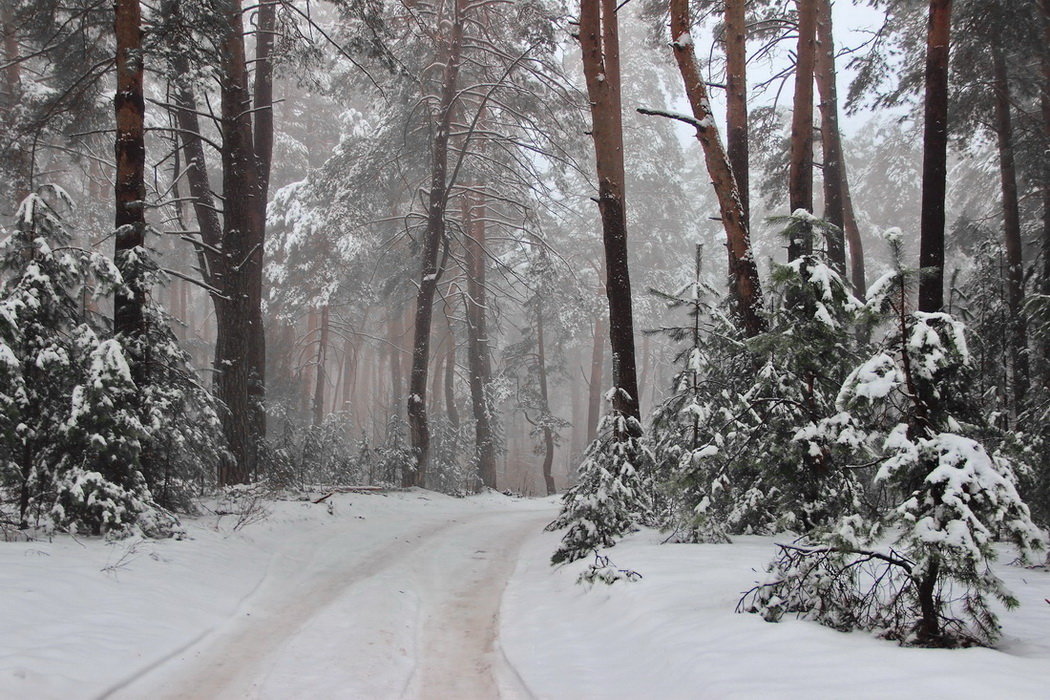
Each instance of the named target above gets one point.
<point>674,634</point>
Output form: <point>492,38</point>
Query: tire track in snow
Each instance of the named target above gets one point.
<point>458,649</point>
<point>458,569</point>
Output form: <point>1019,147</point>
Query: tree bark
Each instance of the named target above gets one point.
<point>831,137</point>
<point>433,238</point>
<point>736,101</point>
<point>856,246</point>
<point>236,348</point>
<point>395,336</point>
<point>262,117</point>
<point>450,382</point>
<point>1041,343</point>
<point>800,173</point>
<point>20,166</point>
<point>351,356</point>
<point>1011,224</point>
<point>599,38</point>
<point>320,361</point>
<point>745,289</point>
<point>934,158</point>
<point>129,189</point>
<point>548,434</point>
<point>130,185</point>
<point>594,393</point>
<point>478,357</point>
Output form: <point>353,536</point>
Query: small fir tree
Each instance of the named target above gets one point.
<point>951,498</point>
<point>613,493</point>
<point>741,436</point>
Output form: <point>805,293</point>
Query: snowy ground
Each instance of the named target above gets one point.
<point>419,595</point>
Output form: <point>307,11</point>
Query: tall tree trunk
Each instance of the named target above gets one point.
<point>831,138</point>
<point>1042,342</point>
<point>129,189</point>
<point>263,149</point>
<point>1011,224</point>
<point>934,158</point>
<point>130,186</point>
<point>745,290</point>
<point>856,246</point>
<point>20,166</point>
<point>594,393</point>
<point>548,433</point>
<point>478,357</point>
<point>450,382</point>
<point>599,38</point>
<point>736,101</point>
<point>579,416</point>
<point>395,336</point>
<point>433,238</point>
<point>236,350</point>
<point>350,380</point>
<point>321,360</point>
<point>800,172</point>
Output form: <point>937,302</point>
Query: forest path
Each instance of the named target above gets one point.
<point>413,614</point>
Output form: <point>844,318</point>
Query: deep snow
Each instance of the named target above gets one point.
<point>420,595</point>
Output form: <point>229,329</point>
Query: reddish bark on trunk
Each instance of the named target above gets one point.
<point>934,158</point>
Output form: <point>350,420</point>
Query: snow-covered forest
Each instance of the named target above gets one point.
<point>524,348</point>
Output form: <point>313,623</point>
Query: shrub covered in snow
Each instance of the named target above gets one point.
<point>612,494</point>
<point>949,499</point>
<point>89,503</point>
<point>741,441</point>
<point>75,426</point>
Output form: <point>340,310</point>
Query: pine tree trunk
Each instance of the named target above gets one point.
<point>129,189</point>
<point>548,434</point>
<point>856,246</point>
<point>745,290</point>
<point>736,102</point>
<point>594,393</point>
<point>263,149</point>
<point>1044,103</point>
<point>20,167</point>
<point>432,241</point>
<point>450,382</point>
<point>599,38</point>
<point>1042,342</point>
<point>130,186</point>
<point>1011,225</point>
<point>800,172</point>
<point>934,158</point>
<point>478,357</point>
<point>930,624</point>
<point>236,348</point>
<point>395,336</point>
<point>831,137</point>
<point>320,361</point>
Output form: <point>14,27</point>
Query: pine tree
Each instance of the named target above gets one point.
<point>613,492</point>
<point>902,410</point>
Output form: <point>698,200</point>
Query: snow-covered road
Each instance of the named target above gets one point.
<point>418,595</point>
<point>414,616</point>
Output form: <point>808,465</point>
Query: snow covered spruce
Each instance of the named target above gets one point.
<point>610,498</point>
<point>74,425</point>
<point>880,473</point>
<point>914,565</point>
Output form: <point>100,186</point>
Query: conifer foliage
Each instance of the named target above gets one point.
<point>612,494</point>
<point>916,570</point>
<point>75,424</point>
